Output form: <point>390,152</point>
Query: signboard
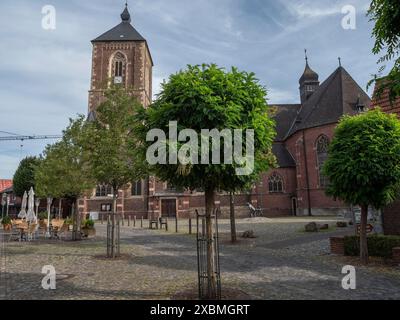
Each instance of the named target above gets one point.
<point>369,228</point>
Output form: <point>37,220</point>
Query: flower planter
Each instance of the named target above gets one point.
<point>89,232</point>
<point>7,227</point>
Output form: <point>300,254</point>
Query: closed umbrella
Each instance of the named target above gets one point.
<point>22,213</point>
<point>30,216</point>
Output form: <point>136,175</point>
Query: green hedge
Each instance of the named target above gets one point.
<point>378,245</point>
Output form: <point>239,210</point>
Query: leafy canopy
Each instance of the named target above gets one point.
<point>386,15</point>
<point>24,177</point>
<point>64,171</point>
<point>107,142</point>
<point>363,165</point>
<point>209,97</point>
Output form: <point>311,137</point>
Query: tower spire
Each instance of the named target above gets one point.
<point>125,15</point>
<point>305,54</point>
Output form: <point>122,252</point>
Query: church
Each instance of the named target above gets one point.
<point>296,187</point>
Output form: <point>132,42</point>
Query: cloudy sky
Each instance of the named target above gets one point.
<point>44,74</point>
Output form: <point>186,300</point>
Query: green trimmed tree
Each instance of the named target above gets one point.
<point>64,170</point>
<point>363,165</point>
<point>108,148</point>
<point>386,15</point>
<point>206,98</point>
<point>24,177</point>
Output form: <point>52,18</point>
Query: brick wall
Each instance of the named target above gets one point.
<point>391,219</point>
<point>337,245</point>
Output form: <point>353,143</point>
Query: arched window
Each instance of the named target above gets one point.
<point>322,145</point>
<point>103,190</point>
<point>275,183</point>
<point>118,68</point>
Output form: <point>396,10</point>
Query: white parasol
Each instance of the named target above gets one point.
<point>30,216</point>
<point>22,213</point>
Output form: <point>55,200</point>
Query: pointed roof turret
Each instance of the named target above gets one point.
<point>125,15</point>
<point>309,75</point>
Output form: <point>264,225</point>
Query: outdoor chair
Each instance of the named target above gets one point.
<point>32,232</point>
<point>15,234</point>
<point>163,222</point>
<point>62,232</point>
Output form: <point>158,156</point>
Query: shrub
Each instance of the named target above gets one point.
<point>88,224</point>
<point>68,221</point>
<point>378,245</point>
<point>42,215</point>
<point>6,220</point>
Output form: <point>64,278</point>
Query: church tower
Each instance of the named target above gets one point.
<point>121,56</point>
<point>309,82</point>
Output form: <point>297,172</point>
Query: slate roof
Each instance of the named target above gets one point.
<point>122,32</point>
<point>336,96</point>
<point>283,157</point>
<point>284,117</point>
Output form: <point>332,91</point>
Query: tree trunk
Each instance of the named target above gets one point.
<point>363,235</point>
<point>59,208</point>
<point>232,214</point>
<point>212,284</point>
<point>113,233</point>
<point>76,221</point>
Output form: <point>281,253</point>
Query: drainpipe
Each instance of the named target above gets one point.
<point>307,177</point>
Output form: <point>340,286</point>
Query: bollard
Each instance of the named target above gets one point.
<point>123,220</point>
<point>129,221</point>
<point>190,225</point>
<point>134,221</point>
<point>176,224</point>
<point>141,222</point>
<point>102,218</point>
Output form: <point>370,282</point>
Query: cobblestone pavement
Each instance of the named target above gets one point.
<point>281,263</point>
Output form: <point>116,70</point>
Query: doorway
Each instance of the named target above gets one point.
<point>168,208</point>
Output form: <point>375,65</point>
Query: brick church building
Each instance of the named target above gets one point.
<point>304,131</point>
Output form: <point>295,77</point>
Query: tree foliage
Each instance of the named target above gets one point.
<point>108,140</point>
<point>24,177</point>
<point>386,15</point>
<point>363,166</point>
<point>208,97</point>
<point>64,170</point>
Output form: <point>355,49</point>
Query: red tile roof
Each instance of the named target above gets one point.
<point>5,184</point>
<point>383,102</point>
